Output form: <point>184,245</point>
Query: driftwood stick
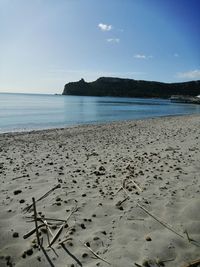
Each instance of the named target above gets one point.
<point>71,255</point>
<point>118,191</point>
<point>65,240</point>
<point>47,228</point>
<point>32,231</point>
<point>43,196</point>
<point>36,225</point>
<point>19,177</point>
<point>48,219</point>
<point>126,192</point>
<point>167,260</point>
<point>136,185</point>
<point>121,202</point>
<point>54,252</point>
<point>194,263</point>
<point>72,212</point>
<point>169,227</point>
<point>189,239</point>
<point>46,255</point>
<point>55,237</point>
<point>124,183</point>
<point>192,241</point>
<point>95,254</point>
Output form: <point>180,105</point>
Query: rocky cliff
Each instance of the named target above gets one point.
<point>107,86</point>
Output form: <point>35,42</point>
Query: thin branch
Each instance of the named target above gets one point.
<point>194,263</point>
<point>19,177</point>
<point>119,203</point>
<point>36,225</point>
<point>65,240</point>
<point>118,191</point>
<point>194,242</point>
<point>48,219</point>
<point>169,227</point>
<point>43,196</point>
<point>95,254</point>
<point>71,255</point>
<point>55,237</point>
<point>47,227</point>
<point>46,255</point>
<point>32,231</point>
<point>136,185</point>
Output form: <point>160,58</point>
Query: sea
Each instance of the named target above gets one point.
<point>25,112</point>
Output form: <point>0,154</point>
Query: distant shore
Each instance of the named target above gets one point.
<point>121,87</point>
<point>128,191</point>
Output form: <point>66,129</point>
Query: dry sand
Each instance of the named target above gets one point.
<point>91,163</point>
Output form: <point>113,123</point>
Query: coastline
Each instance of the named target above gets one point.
<point>159,156</point>
<point>63,127</point>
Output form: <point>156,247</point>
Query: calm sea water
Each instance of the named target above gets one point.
<point>20,112</point>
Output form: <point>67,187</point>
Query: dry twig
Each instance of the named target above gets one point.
<point>169,227</point>
<point>55,237</point>
<point>136,185</point>
<point>36,225</point>
<point>95,254</point>
<point>46,218</point>
<point>43,196</point>
<point>194,263</point>
<point>33,231</point>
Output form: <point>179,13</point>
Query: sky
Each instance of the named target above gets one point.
<point>45,44</point>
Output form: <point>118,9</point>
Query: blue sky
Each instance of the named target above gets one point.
<point>47,43</point>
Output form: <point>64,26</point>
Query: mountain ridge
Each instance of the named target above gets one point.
<point>122,87</point>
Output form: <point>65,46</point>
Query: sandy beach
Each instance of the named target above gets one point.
<point>119,194</point>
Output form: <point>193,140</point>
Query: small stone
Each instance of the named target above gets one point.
<point>16,192</point>
<point>148,238</point>
<point>87,244</point>
<point>29,252</point>
<point>15,234</point>
<point>24,255</point>
<point>83,226</point>
<point>38,258</point>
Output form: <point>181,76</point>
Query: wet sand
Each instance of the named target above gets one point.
<point>128,191</point>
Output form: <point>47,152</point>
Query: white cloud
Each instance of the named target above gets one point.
<point>113,40</point>
<point>192,74</point>
<point>142,56</point>
<point>105,27</point>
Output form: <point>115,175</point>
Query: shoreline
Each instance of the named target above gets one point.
<point>103,174</point>
<point>93,123</point>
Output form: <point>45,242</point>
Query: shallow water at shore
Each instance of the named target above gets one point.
<point>20,112</point>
